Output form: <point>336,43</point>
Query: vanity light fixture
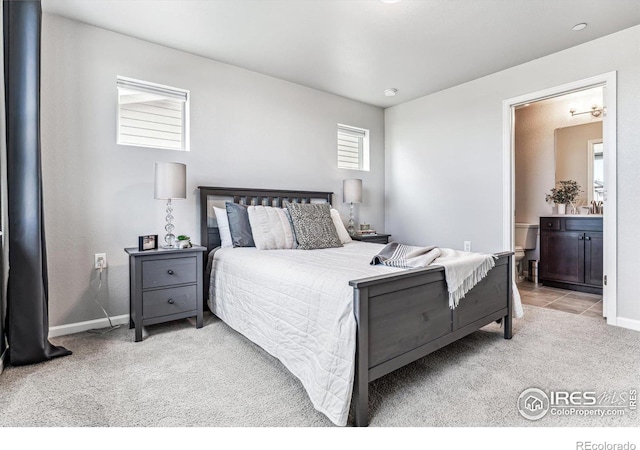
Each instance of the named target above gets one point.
<point>579,26</point>
<point>595,111</point>
<point>390,92</point>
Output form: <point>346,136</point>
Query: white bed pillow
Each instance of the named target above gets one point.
<point>223,227</point>
<point>343,234</point>
<point>270,227</point>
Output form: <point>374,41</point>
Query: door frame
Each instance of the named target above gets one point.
<point>609,221</point>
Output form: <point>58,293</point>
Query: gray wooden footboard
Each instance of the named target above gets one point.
<point>403,317</point>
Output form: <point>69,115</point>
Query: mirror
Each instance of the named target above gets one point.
<point>579,156</point>
<point>595,172</point>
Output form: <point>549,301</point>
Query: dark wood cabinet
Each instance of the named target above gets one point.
<point>593,258</point>
<point>571,253</point>
<point>563,256</point>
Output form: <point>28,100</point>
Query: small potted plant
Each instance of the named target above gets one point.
<point>566,191</point>
<point>184,241</point>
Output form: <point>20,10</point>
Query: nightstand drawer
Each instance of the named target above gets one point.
<point>169,301</point>
<point>380,238</point>
<point>377,239</point>
<point>167,272</point>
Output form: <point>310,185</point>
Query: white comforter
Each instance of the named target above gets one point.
<point>300,310</point>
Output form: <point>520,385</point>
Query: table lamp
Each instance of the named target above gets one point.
<point>351,193</point>
<point>170,183</point>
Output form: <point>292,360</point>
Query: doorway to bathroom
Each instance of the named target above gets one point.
<point>563,137</point>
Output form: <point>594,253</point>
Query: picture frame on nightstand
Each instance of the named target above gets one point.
<point>148,242</point>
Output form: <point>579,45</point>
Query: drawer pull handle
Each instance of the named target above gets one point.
<point>171,301</point>
<point>588,238</point>
<point>550,224</point>
<point>170,272</point>
<point>580,237</point>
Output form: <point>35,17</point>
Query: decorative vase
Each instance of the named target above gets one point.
<point>562,208</point>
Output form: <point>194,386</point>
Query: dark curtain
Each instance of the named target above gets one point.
<point>27,290</point>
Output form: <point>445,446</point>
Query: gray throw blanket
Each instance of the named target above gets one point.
<point>405,256</point>
<point>462,270</point>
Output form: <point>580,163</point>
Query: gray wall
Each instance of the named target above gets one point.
<point>444,154</point>
<point>247,130</point>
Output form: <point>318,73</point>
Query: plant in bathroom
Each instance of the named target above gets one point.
<point>184,241</point>
<point>566,191</point>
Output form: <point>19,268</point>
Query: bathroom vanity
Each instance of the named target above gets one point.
<point>571,252</point>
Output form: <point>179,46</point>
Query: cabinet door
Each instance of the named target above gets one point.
<point>562,256</point>
<point>593,258</point>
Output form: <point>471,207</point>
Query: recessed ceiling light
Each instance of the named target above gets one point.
<point>580,26</point>
<point>526,104</point>
<point>390,92</point>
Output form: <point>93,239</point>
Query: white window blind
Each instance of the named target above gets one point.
<point>152,115</point>
<point>353,148</point>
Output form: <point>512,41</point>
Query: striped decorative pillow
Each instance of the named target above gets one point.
<point>270,227</point>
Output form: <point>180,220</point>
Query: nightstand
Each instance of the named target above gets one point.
<point>379,238</point>
<point>164,285</point>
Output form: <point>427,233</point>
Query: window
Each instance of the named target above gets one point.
<point>353,148</point>
<point>152,115</point>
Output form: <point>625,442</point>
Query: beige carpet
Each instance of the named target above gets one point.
<point>180,376</point>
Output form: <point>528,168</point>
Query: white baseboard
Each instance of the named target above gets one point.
<point>78,327</point>
<point>2,359</point>
<point>631,324</point>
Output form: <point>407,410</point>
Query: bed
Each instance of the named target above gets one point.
<point>396,316</point>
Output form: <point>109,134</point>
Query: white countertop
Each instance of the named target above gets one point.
<point>571,216</point>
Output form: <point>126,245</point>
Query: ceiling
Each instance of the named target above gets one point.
<point>359,48</point>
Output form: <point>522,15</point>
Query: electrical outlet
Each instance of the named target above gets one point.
<point>100,258</point>
<point>467,246</point>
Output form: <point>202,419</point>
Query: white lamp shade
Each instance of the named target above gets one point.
<point>352,191</point>
<point>170,180</point>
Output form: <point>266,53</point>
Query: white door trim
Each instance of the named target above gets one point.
<point>609,123</point>
<point>590,158</point>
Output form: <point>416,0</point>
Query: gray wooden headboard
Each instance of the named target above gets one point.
<point>209,234</point>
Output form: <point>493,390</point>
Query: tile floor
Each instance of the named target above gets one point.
<point>573,302</point>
